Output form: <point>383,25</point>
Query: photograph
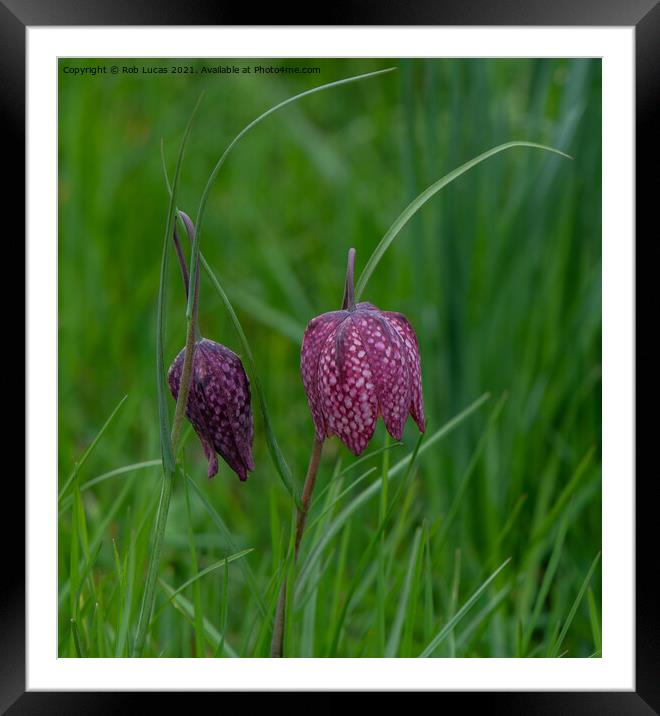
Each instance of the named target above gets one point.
<point>329,355</point>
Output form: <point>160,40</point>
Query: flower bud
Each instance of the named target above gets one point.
<point>219,405</point>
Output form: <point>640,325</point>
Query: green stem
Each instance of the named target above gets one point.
<point>348,303</point>
<point>168,445</point>
<point>277,644</point>
<point>192,336</point>
<point>184,388</point>
<point>166,492</point>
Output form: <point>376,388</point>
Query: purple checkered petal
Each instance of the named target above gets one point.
<point>209,452</point>
<point>347,389</point>
<point>387,361</point>
<point>218,405</point>
<point>357,364</point>
<point>401,324</point>
<point>317,333</point>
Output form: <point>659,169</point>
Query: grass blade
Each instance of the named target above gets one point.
<point>326,510</point>
<point>194,258</point>
<point>374,489</point>
<point>566,493</point>
<point>95,542</point>
<point>371,547</point>
<point>224,609</point>
<point>395,635</point>
<point>595,621</point>
<point>163,411</point>
<point>277,456</point>
<point>245,568</point>
<point>453,599</point>
<point>211,568</point>
<point>225,562</point>
<point>186,608</point>
<point>76,639</point>
<point>88,452</point>
<point>419,201</point>
<point>123,631</point>
<point>197,595</point>
<point>463,640</point>
<point>469,471</point>
<point>317,498</point>
<point>574,607</point>
<point>66,504</point>
<point>273,318</point>
<point>448,627</point>
<point>545,585</point>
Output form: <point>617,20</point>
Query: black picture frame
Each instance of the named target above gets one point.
<point>644,15</point>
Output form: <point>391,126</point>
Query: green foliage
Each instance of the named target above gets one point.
<point>485,541</point>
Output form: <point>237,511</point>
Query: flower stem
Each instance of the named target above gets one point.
<point>182,260</point>
<point>166,492</point>
<point>167,450</point>
<point>192,337</point>
<point>168,475</point>
<point>277,644</point>
<point>348,303</point>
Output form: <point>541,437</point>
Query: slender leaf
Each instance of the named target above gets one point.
<point>419,201</point>
<point>448,627</point>
<point>574,607</point>
<point>374,489</point>
<point>88,452</point>
<point>202,204</point>
<point>395,633</point>
<point>545,584</point>
<point>211,568</point>
<point>244,566</point>
<point>186,608</point>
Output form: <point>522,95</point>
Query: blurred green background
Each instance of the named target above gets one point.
<point>500,274</point>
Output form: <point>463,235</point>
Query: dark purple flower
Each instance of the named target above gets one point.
<point>218,405</point>
<point>357,364</point>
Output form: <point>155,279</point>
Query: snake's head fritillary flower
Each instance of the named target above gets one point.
<point>360,363</point>
<point>218,405</point>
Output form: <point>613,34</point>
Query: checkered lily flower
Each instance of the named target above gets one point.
<point>357,364</point>
<point>218,405</point>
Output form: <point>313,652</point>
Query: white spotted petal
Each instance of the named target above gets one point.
<point>358,364</point>
<point>317,333</point>
<point>402,325</point>
<point>347,390</point>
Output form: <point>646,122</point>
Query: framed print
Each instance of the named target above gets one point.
<point>331,356</point>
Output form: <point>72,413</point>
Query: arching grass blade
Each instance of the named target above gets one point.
<point>419,201</point>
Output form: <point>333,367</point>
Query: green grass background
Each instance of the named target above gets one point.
<point>500,274</point>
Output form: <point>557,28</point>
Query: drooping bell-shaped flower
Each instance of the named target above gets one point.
<point>219,405</point>
<point>360,363</point>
